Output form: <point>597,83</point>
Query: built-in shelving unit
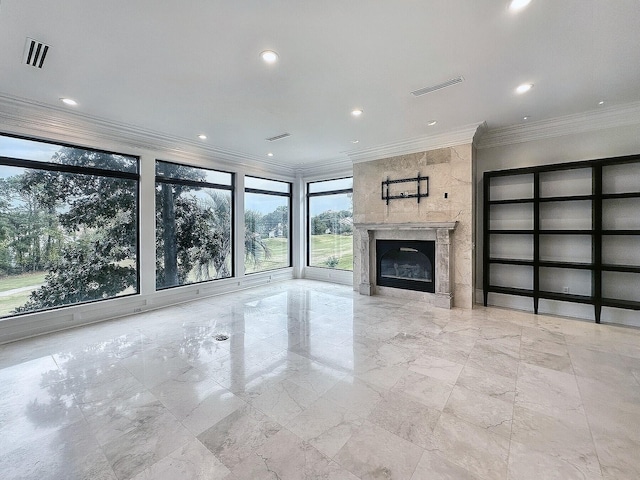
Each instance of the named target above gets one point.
<point>568,232</point>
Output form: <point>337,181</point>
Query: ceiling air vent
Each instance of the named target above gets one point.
<point>35,52</point>
<point>279,137</point>
<point>440,86</point>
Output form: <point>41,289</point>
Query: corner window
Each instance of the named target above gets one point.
<point>330,224</point>
<point>68,225</point>
<point>267,220</point>
<point>194,218</point>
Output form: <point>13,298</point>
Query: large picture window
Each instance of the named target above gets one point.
<point>330,227</point>
<point>267,206</point>
<point>68,225</point>
<point>194,218</point>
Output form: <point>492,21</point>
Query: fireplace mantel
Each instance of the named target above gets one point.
<point>407,226</point>
<point>443,297</point>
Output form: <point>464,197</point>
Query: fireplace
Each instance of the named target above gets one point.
<point>397,262</point>
<point>406,264</point>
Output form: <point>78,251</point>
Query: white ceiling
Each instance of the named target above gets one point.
<point>191,67</point>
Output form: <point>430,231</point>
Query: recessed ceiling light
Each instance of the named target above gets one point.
<point>526,117</point>
<point>601,102</point>
<point>432,123</point>
<point>269,56</point>
<point>69,101</point>
<point>356,112</point>
<point>525,87</point>
<point>202,136</point>
<point>355,141</point>
<point>516,5</point>
<point>269,154</point>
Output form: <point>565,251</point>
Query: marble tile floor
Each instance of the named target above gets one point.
<point>318,382</point>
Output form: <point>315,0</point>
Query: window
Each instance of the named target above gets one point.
<point>330,227</point>
<point>68,225</point>
<point>267,220</point>
<point>194,218</point>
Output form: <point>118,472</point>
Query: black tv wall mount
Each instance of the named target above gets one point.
<point>418,195</point>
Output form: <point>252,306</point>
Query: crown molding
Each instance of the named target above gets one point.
<point>31,118</point>
<point>27,117</point>
<point>452,138</point>
<point>339,166</point>
<point>601,119</point>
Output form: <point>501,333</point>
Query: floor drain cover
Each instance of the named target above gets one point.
<point>221,337</point>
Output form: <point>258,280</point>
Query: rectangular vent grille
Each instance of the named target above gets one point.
<point>279,137</point>
<point>35,52</point>
<point>440,86</point>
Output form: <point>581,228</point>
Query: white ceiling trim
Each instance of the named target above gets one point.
<point>460,136</point>
<point>336,167</point>
<point>26,117</point>
<point>30,118</point>
<point>601,119</point>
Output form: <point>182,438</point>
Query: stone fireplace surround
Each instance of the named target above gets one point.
<point>438,231</point>
<point>450,201</point>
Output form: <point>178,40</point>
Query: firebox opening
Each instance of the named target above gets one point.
<point>406,264</point>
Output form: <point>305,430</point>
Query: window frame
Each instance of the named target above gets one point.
<point>310,195</point>
<point>71,145</point>
<point>193,183</point>
<point>93,171</point>
<point>289,195</point>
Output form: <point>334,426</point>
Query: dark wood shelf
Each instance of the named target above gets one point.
<point>511,201</point>
<point>615,303</point>
<point>621,268</point>
<point>611,196</point>
<point>554,264</point>
<point>620,232</point>
<point>569,198</point>
<point>566,232</point>
<point>573,265</point>
<point>511,232</point>
<point>566,297</point>
<point>511,261</point>
<point>596,233</point>
<point>521,292</point>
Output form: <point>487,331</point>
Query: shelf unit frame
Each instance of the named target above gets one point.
<point>596,232</point>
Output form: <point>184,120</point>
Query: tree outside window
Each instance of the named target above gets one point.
<point>193,224</point>
<point>68,225</point>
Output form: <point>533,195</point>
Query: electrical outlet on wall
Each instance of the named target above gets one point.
<point>565,289</point>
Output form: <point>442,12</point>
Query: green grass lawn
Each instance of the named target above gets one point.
<point>323,247</point>
<point>9,302</point>
<point>279,249</point>
<point>18,281</point>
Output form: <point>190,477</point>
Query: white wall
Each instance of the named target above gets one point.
<point>587,145</point>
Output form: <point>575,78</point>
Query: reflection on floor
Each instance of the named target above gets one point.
<point>316,382</point>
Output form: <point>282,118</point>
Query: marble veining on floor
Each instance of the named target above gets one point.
<point>318,382</point>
